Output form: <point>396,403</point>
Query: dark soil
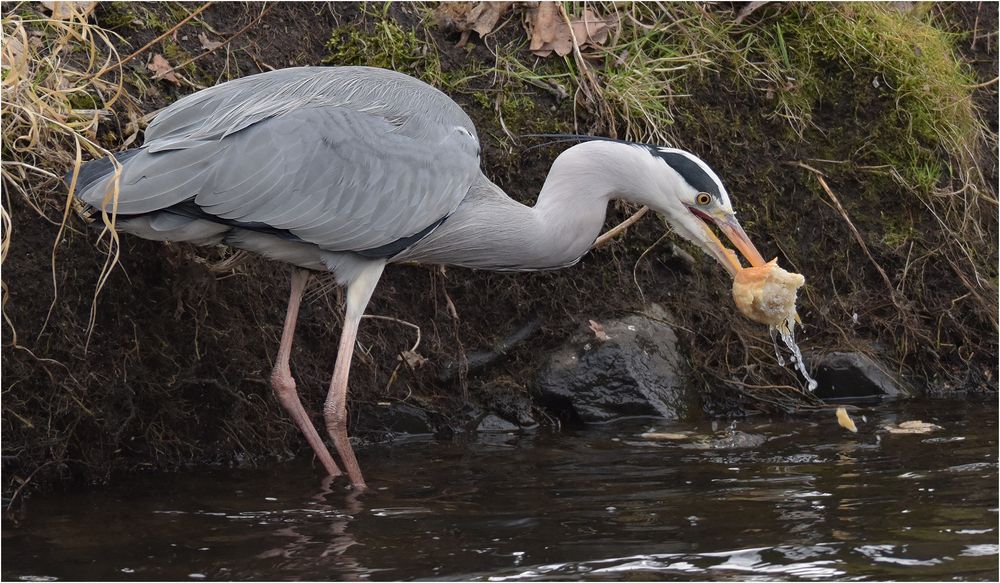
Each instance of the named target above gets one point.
<point>176,369</point>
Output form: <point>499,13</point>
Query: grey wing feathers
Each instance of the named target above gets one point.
<point>336,178</point>
<point>415,108</point>
<point>346,158</point>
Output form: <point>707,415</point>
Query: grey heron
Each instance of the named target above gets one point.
<point>348,169</point>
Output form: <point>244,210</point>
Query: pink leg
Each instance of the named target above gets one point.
<point>335,410</point>
<point>284,384</point>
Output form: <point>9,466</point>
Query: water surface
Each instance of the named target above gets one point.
<point>763,500</point>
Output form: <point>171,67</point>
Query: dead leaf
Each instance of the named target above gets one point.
<point>549,32</point>
<point>845,420</point>
<point>481,17</point>
<point>15,48</point>
<point>208,45</point>
<point>599,332</point>
<point>910,427</point>
<point>162,70</point>
<point>747,10</point>
<point>69,10</point>
<point>413,359</point>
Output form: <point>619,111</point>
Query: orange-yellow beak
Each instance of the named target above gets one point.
<point>727,223</point>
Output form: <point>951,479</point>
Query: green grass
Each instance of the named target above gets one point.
<point>798,57</point>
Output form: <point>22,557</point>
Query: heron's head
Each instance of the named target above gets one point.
<point>693,200</point>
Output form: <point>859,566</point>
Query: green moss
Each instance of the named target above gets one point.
<point>176,10</point>
<point>798,59</point>
<point>150,19</point>
<point>850,49</point>
<point>82,100</point>
<point>458,79</point>
<point>175,55</point>
<point>482,99</point>
<point>897,231</point>
<point>383,43</point>
<point>932,87</point>
<point>117,15</point>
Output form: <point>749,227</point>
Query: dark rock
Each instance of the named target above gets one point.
<point>852,376</point>
<point>508,400</point>
<point>737,440</point>
<point>493,424</point>
<point>637,371</point>
<point>396,418</point>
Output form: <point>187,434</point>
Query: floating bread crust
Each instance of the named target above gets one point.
<point>845,420</point>
<point>766,294</point>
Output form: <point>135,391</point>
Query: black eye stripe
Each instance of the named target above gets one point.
<point>690,171</point>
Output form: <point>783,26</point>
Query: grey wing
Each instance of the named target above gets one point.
<point>415,108</point>
<point>331,176</point>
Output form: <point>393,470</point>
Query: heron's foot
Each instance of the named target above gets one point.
<point>349,461</point>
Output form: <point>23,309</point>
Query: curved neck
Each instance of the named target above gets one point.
<point>489,230</point>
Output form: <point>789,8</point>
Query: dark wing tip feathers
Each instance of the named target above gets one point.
<point>95,170</point>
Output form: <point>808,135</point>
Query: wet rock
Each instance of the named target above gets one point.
<point>508,400</point>
<point>493,424</point>
<point>729,440</point>
<point>852,376</point>
<point>485,418</point>
<point>637,371</point>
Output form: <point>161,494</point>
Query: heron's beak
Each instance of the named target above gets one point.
<point>727,223</point>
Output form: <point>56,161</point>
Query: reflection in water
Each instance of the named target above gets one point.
<point>337,508</point>
<point>684,567</point>
<point>796,499</point>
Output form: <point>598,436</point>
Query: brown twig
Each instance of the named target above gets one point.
<point>146,46</point>
<point>24,484</point>
<point>617,230</point>
<point>984,84</point>
<point>847,219</point>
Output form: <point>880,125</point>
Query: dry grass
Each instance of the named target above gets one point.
<point>55,95</point>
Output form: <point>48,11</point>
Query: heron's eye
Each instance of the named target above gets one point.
<point>703,198</point>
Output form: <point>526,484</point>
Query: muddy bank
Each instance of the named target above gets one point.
<point>175,369</point>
